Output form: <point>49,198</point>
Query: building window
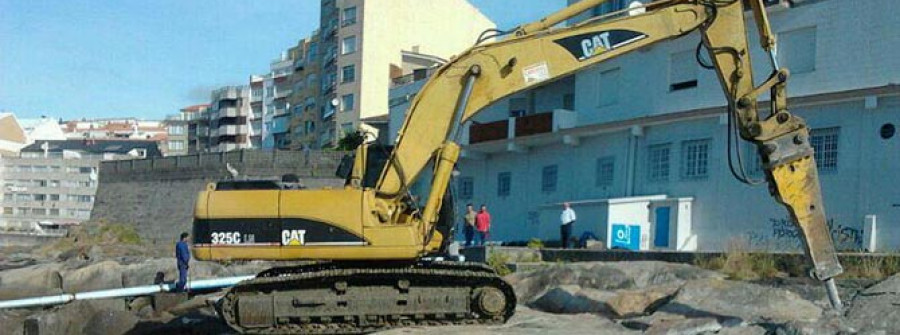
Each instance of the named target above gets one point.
<point>797,50</point>
<point>176,130</point>
<point>609,87</point>
<point>80,198</point>
<point>54,197</point>
<point>466,187</point>
<point>658,162</point>
<point>548,178</point>
<point>682,71</point>
<point>347,102</point>
<point>825,143</point>
<point>503,184</point>
<point>605,171</point>
<point>569,101</point>
<point>38,211</point>
<point>348,17</point>
<point>348,45</point>
<point>348,74</point>
<point>40,197</point>
<point>7,210</point>
<point>85,169</point>
<point>54,212</point>
<point>176,145</point>
<point>695,159</point>
<point>312,52</point>
<point>752,161</point>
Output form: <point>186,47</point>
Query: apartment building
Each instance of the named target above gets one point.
<point>305,98</point>
<point>270,116</point>
<point>638,144</point>
<point>361,47</point>
<point>51,184</point>
<point>227,123</point>
<point>180,128</point>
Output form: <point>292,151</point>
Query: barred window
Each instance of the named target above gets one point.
<point>503,183</point>
<point>825,142</point>
<point>605,171</point>
<point>548,178</point>
<point>695,159</point>
<point>466,187</point>
<point>658,162</point>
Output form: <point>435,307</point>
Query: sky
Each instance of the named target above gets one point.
<point>74,59</point>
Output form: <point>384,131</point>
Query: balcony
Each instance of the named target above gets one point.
<point>283,93</point>
<point>232,130</point>
<point>228,112</point>
<point>523,126</point>
<point>230,92</point>
<point>279,111</point>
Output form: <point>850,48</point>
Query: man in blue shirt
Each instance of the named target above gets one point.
<point>183,256</point>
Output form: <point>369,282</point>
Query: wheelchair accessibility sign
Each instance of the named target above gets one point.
<point>625,236</point>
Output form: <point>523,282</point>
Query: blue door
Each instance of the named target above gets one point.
<point>661,239</point>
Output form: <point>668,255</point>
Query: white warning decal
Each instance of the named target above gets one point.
<point>536,73</point>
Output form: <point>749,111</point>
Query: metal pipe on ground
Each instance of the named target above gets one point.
<point>204,284</point>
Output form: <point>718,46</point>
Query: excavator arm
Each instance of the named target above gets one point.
<point>538,54</point>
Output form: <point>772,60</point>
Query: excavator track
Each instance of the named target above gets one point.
<point>344,298</point>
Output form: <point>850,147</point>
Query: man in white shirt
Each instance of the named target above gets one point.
<point>567,220</point>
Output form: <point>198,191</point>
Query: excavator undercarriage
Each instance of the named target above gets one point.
<point>360,297</point>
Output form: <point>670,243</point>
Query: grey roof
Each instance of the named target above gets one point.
<point>96,146</point>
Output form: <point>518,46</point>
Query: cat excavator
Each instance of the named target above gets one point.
<point>374,248</point>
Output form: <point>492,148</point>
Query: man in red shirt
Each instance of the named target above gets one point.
<point>483,224</point>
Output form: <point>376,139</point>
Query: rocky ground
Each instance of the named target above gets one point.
<point>576,298</point>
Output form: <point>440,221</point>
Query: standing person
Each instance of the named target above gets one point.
<point>567,220</point>
<point>483,224</point>
<point>183,256</point>
<point>469,229</point>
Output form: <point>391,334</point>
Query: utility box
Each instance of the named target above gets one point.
<point>628,222</point>
<point>670,225</point>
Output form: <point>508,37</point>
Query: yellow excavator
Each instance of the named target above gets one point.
<point>374,244</point>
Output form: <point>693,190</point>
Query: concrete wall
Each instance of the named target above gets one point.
<point>157,195</point>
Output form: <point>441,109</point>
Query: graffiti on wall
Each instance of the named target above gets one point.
<point>785,235</point>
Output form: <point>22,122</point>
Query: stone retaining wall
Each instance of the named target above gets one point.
<point>157,195</point>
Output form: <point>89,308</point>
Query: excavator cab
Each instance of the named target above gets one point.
<point>373,158</point>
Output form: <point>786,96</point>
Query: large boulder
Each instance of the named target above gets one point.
<point>61,320</point>
<point>685,327</point>
<point>747,302</point>
<point>99,276</point>
<point>570,299</point>
<point>628,303</point>
<point>11,321</point>
<point>528,321</point>
<point>31,281</point>
<point>107,322</point>
<point>608,276</point>
<point>876,308</point>
<point>144,273</point>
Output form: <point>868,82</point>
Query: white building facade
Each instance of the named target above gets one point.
<point>649,128</point>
